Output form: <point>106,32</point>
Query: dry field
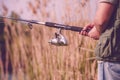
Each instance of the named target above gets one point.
<point>26,54</point>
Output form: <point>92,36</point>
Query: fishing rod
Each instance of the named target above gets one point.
<point>58,39</point>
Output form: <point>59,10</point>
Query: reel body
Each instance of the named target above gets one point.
<point>59,39</point>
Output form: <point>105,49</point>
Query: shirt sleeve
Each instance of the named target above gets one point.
<point>109,1</point>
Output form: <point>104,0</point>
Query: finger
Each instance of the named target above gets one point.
<point>85,28</point>
<point>83,32</point>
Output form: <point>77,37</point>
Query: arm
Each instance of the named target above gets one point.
<point>101,19</point>
<point>103,15</point>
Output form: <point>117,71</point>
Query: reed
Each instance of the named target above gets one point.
<point>29,56</point>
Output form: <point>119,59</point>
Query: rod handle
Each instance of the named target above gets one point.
<point>66,27</point>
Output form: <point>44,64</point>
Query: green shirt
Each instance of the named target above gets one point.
<point>108,47</point>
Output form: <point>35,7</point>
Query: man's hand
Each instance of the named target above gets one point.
<point>86,29</point>
<point>90,31</point>
<point>93,33</point>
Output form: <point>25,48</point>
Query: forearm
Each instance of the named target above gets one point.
<point>103,15</point>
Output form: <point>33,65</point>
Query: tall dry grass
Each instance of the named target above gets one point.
<point>27,55</point>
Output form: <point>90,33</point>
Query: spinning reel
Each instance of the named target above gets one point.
<point>59,39</point>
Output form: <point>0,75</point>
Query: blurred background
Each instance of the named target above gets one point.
<point>26,54</point>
